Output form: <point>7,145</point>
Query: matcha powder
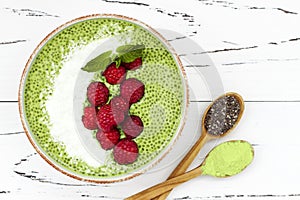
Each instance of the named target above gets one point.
<point>228,159</point>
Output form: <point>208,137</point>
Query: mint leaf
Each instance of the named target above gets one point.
<point>125,53</point>
<point>129,57</point>
<point>124,49</point>
<point>140,47</point>
<point>127,48</point>
<point>114,57</point>
<point>129,53</point>
<point>118,62</point>
<point>98,63</point>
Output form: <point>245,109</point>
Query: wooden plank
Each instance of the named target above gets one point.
<point>250,47</point>
<point>243,64</point>
<point>264,124</point>
<point>10,122</point>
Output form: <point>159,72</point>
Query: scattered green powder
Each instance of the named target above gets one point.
<point>228,158</point>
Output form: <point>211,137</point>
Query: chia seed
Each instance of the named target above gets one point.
<point>222,115</point>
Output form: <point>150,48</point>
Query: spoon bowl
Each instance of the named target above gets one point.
<point>240,101</point>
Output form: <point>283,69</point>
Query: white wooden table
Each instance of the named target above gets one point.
<point>253,46</point>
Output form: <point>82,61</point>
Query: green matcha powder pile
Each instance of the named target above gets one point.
<point>228,159</point>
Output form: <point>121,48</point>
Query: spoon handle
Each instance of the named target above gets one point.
<point>166,186</point>
<point>185,162</point>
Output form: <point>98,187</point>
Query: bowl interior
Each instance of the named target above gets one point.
<point>53,95</point>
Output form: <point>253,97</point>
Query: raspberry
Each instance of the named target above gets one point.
<point>114,75</point>
<point>108,139</point>
<point>132,90</point>
<point>108,119</point>
<point>137,63</point>
<point>132,126</point>
<point>89,118</point>
<point>97,93</point>
<point>126,151</point>
<point>119,103</point>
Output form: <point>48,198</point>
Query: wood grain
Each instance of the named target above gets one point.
<point>252,47</point>
<point>25,171</point>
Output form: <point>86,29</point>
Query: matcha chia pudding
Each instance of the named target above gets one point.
<point>126,102</point>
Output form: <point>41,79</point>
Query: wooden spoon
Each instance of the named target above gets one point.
<point>205,137</point>
<point>217,163</point>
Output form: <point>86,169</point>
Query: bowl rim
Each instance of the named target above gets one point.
<point>67,172</point>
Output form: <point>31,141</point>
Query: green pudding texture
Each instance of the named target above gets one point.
<point>160,109</point>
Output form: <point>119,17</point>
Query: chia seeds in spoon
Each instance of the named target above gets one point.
<point>222,115</point>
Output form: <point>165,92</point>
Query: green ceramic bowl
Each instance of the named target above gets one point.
<point>52,95</point>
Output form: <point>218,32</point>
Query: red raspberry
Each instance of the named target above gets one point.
<point>126,151</point>
<point>89,119</point>
<point>108,139</point>
<point>108,119</point>
<point>114,75</point>
<point>132,90</point>
<point>97,93</point>
<point>119,103</point>
<point>132,126</point>
<point>137,63</point>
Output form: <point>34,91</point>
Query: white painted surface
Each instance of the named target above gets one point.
<point>252,46</point>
